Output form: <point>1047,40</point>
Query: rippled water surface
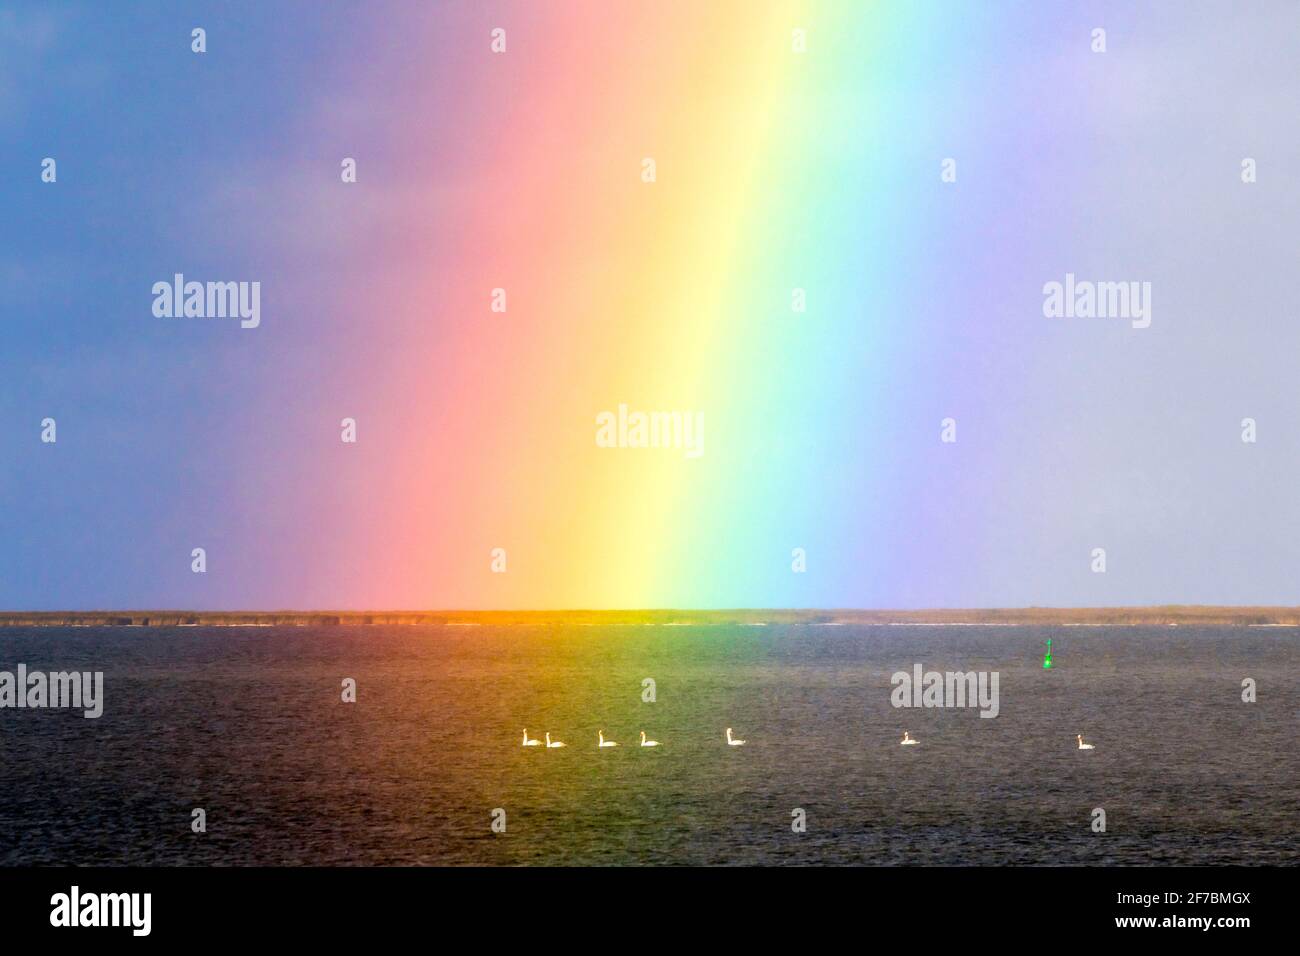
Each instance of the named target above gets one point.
<point>248,724</point>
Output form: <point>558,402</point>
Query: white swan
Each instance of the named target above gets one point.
<point>648,743</point>
<point>733,742</point>
<point>551,745</point>
<point>602,742</point>
<point>1082,745</point>
<point>907,740</point>
<point>530,741</point>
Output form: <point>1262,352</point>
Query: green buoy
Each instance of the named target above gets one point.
<point>1047,658</point>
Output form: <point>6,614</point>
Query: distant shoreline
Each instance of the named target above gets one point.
<point>1158,616</point>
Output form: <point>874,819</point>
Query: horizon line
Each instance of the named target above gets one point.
<point>1154,614</point>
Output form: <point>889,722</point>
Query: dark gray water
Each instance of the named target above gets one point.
<point>248,724</point>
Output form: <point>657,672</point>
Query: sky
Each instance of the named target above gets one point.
<point>799,150</point>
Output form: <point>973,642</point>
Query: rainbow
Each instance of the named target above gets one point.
<point>779,175</point>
